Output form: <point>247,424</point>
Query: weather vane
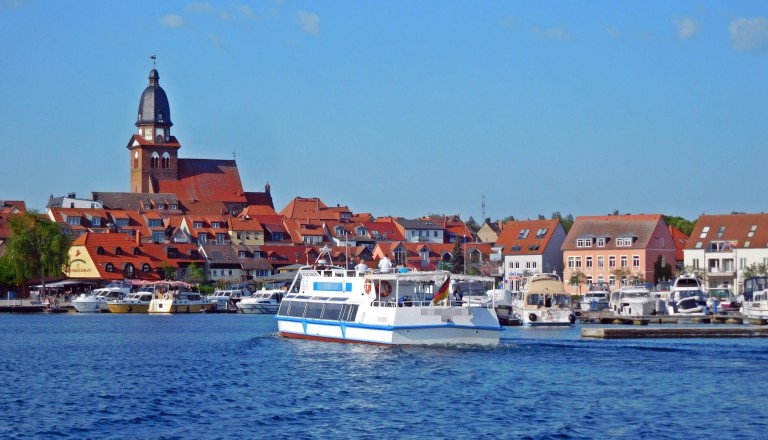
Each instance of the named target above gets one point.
<point>154,60</point>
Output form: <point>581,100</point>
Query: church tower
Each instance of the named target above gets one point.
<point>154,152</point>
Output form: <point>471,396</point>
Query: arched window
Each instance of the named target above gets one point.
<point>118,251</point>
<point>166,160</point>
<point>109,267</point>
<point>135,159</point>
<point>155,162</point>
<point>99,250</point>
<point>146,268</point>
<point>129,270</point>
<point>136,251</point>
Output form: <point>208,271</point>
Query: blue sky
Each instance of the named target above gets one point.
<point>399,107</point>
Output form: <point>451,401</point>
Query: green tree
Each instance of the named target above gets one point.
<point>686,226</point>
<point>167,271</point>
<point>457,257</point>
<point>195,273</point>
<point>622,274</point>
<point>661,271</point>
<point>577,278</point>
<point>472,225</point>
<point>37,248</point>
<point>566,221</point>
<point>755,270</point>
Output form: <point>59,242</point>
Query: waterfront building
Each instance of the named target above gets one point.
<point>723,246</point>
<point>529,247</point>
<point>616,249</point>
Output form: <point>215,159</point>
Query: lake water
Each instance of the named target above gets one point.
<point>230,376</point>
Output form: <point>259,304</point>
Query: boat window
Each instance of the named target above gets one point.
<point>348,312</point>
<point>296,308</point>
<point>284,306</point>
<point>338,299</point>
<point>314,310</point>
<point>332,311</point>
<point>535,299</point>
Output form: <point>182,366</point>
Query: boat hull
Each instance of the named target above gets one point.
<point>128,307</point>
<point>477,326</point>
<point>87,306</point>
<point>172,306</point>
<point>546,317</point>
<point>258,308</point>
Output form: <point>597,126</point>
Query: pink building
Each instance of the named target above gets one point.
<point>602,247</point>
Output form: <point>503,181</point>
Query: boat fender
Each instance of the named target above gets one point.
<point>532,317</point>
<point>130,309</point>
<point>571,318</point>
<point>385,289</point>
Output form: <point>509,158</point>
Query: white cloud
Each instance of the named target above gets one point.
<point>749,34</point>
<point>217,43</point>
<point>172,21</point>
<point>199,7</point>
<point>687,28</point>
<point>246,11</point>
<point>558,33</point>
<point>309,23</point>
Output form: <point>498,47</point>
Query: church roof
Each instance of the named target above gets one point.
<point>153,106</point>
<point>205,179</point>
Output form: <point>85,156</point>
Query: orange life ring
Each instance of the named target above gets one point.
<point>385,289</point>
<point>368,286</point>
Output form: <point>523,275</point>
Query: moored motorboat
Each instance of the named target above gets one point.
<point>265,301</point>
<point>327,302</point>
<point>96,300</point>
<point>226,300</point>
<point>543,301</point>
<point>687,298</point>
<point>134,302</point>
<point>755,304</point>
<point>595,299</point>
<point>175,297</point>
<point>632,301</point>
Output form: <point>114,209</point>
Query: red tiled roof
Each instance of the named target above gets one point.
<point>736,230</point>
<point>509,236</point>
<point>205,180</point>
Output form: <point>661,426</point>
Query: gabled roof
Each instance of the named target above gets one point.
<point>236,224</point>
<point>384,231</point>
<point>128,200</point>
<point>680,239</point>
<point>639,227</point>
<point>515,241</point>
<point>312,208</point>
<point>738,230</point>
<point>138,140</point>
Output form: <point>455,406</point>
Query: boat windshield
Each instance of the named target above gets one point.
<point>688,294</point>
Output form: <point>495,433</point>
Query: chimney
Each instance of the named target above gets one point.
<point>138,238</point>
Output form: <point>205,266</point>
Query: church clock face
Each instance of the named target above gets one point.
<point>148,133</point>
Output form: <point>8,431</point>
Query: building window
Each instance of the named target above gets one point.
<point>220,238</point>
<point>752,231</point>
<point>699,244</point>
<point>174,207</point>
<point>600,261</point>
<point>601,242</point>
<point>146,268</point>
<point>73,220</point>
<point>155,223</point>
<point>588,262</point>
<point>202,238</point>
<point>197,225</point>
<point>118,251</point>
<point>166,159</point>
<point>612,261</point>
<point>742,263</point>
<point>624,241</point>
<point>129,270</point>
<point>155,161</point>
<point>121,222</point>
<point>109,267</point>
<point>96,221</point>
<point>541,233</point>
<point>216,225</point>
<point>636,261</point>
<point>158,236</point>
<point>136,251</point>
<point>99,250</point>
<point>624,261</point>
<point>241,254</point>
<point>523,233</point>
<point>704,232</point>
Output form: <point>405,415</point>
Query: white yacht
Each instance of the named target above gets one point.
<point>264,301</point>
<point>327,302</point>
<point>543,301</point>
<point>175,297</point>
<point>687,298</point>
<point>226,300</point>
<point>632,301</point>
<point>595,299</point>
<point>96,300</point>
<point>755,304</point>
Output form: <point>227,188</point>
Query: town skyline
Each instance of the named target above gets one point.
<point>416,109</point>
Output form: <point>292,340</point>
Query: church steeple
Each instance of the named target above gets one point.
<point>154,119</point>
<point>154,152</point>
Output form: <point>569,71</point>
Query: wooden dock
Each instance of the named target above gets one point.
<point>605,317</point>
<point>674,332</point>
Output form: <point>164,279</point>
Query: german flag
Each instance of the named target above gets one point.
<point>442,292</point>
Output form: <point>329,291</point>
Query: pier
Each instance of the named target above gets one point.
<point>674,332</point>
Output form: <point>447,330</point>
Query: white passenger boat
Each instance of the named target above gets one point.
<point>755,304</point>
<point>632,301</point>
<point>543,301</point>
<point>96,300</point>
<point>262,302</point>
<point>687,298</point>
<point>330,303</point>
<point>595,299</point>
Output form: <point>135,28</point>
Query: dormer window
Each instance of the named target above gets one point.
<point>241,254</point>
<point>96,221</point>
<point>109,267</point>
<point>197,225</point>
<point>136,251</point>
<point>73,221</point>
<point>99,250</point>
<point>216,225</point>
<point>174,207</point>
<point>118,251</point>
<point>146,268</point>
<point>147,206</point>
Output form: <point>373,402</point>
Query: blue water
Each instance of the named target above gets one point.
<point>230,376</point>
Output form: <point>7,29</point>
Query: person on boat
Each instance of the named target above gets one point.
<point>385,265</point>
<point>361,267</point>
